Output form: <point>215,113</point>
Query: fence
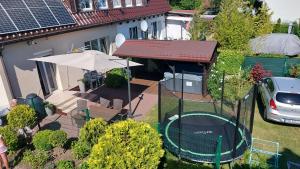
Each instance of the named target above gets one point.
<point>278,66</point>
<point>204,130</point>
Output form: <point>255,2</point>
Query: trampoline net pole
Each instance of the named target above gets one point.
<point>222,94</point>
<point>237,125</point>
<point>179,126</point>
<point>218,153</point>
<point>253,107</point>
<point>159,107</point>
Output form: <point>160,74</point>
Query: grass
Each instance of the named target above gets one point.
<point>287,136</point>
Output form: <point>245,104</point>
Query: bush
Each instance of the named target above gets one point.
<point>92,130</point>
<point>21,116</point>
<point>115,78</point>
<point>47,139</point>
<point>65,164</point>
<point>127,144</point>
<point>294,71</point>
<point>41,140</point>
<point>258,73</point>
<point>80,149</point>
<point>10,137</point>
<point>58,138</point>
<point>37,158</point>
<point>83,165</point>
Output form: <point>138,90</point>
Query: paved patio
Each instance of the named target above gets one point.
<point>144,98</point>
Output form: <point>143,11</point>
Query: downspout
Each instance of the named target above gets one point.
<point>5,77</point>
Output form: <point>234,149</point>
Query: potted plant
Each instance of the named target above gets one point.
<point>81,84</point>
<point>49,108</point>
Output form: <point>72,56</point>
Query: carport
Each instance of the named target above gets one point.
<point>200,53</point>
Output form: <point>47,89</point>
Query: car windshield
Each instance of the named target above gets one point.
<point>288,98</point>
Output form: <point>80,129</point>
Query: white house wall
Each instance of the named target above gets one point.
<point>286,10</point>
<point>176,30</point>
<point>124,27</point>
<point>23,74</point>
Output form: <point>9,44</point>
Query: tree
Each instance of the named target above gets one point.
<point>200,27</point>
<point>262,21</point>
<point>234,25</point>
<point>190,4</point>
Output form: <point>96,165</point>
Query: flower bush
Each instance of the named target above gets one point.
<point>127,144</point>
<point>294,71</point>
<point>92,130</point>
<point>80,149</point>
<point>58,138</point>
<point>36,159</point>
<point>65,164</point>
<point>47,139</point>
<point>21,116</point>
<point>10,136</point>
<point>258,73</point>
<point>115,78</point>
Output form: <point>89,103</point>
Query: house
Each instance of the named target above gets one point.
<point>39,28</point>
<point>287,10</point>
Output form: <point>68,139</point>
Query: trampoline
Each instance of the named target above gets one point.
<point>206,131</point>
<point>198,134</point>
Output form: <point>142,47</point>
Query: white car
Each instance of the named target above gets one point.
<point>281,99</point>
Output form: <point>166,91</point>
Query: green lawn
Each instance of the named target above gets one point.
<point>287,136</point>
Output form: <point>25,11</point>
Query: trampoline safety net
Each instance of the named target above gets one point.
<point>191,128</point>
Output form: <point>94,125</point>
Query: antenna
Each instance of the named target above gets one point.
<point>144,25</point>
<point>120,39</point>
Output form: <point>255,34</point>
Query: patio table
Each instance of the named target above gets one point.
<point>97,111</point>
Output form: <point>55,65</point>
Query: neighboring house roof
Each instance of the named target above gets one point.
<point>177,50</point>
<point>186,12</point>
<point>90,19</point>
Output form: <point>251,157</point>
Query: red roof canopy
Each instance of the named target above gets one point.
<point>177,50</point>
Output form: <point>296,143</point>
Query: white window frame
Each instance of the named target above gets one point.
<point>101,7</point>
<point>140,2</point>
<point>128,4</point>
<point>117,6</point>
<point>98,44</point>
<point>87,9</point>
<point>133,33</point>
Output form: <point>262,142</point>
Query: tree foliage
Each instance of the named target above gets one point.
<point>234,25</point>
<point>127,144</point>
<point>200,27</point>
<point>185,4</point>
<point>262,21</point>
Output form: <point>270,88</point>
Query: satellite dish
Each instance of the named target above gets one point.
<point>120,39</point>
<point>144,25</point>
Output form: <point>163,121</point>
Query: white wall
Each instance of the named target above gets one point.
<point>176,28</point>
<point>23,74</point>
<point>124,27</point>
<point>287,10</point>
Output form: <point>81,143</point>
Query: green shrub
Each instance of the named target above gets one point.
<point>10,137</point>
<point>127,144</point>
<point>47,139</point>
<point>115,78</point>
<point>83,165</point>
<point>80,149</point>
<point>92,130</point>
<point>21,116</point>
<point>58,138</point>
<point>65,164</point>
<point>36,159</point>
<point>41,140</point>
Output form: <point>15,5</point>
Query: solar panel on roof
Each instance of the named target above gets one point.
<point>32,14</point>
<point>6,23</point>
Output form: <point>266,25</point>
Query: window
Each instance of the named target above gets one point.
<point>102,4</point>
<point>97,44</point>
<point>133,33</point>
<point>154,30</point>
<point>288,98</point>
<point>86,5</point>
<point>117,3</point>
<point>139,2</point>
<point>128,3</point>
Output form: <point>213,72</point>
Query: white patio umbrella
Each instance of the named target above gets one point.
<point>276,43</point>
<point>88,60</point>
<point>93,61</point>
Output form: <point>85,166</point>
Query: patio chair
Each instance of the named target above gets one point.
<point>104,102</point>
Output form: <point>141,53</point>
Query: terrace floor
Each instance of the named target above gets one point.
<point>144,98</point>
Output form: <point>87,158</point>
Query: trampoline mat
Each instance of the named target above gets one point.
<point>199,135</point>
